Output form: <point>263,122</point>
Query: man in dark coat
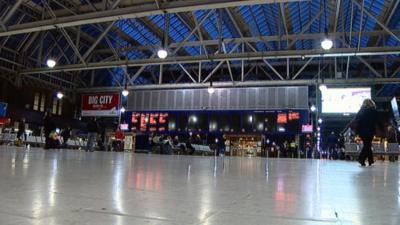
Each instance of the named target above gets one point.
<point>21,129</point>
<point>66,134</point>
<point>366,123</point>
<point>49,126</point>
<point>332,144</point>
<point>93,129</point>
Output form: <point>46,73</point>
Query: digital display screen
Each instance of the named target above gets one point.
<point>151,122</point>
<point>294,116</point>
<point>162,122</point>
<point>344,100</point>
<point>144,118</point>
<point>281,118</point>
<point>135,120</point>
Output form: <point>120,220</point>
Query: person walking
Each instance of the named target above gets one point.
<point>332,144</point>
<point>48,126</point>
<point>119,140</point>
<point>21,131</point>
<point>66,134</point>
<point>365,124</point>
<point>93,129</point>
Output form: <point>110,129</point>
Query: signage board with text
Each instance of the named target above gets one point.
<point>100,104</point>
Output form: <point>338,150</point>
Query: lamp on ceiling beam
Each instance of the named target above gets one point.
<point>60,95</point>
<point>211,89</point>
<point>125,92</point>
<point>51,63</point>
<point>162,52</point>
<point>327,42</point>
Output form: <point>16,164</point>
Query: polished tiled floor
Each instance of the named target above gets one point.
<point>72,187</point>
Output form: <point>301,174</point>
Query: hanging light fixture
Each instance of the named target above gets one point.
<point>60,95</point>
<point>162,53</point>
<point>51,63</point>
<point>125,92</point>
<point>323,87</point>
<point>326,43</point>
<point>211,89</point>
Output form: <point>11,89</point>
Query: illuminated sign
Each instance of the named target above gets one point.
<point>151,122</point>
<point>294,116</point>
<point>307,128</point>
<point>281,118</point>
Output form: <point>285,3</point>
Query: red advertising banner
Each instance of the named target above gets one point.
<point>100,104</point>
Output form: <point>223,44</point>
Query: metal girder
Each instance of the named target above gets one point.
<point>191,33</point>
<point>273,69</point>
<point>349,44</point>
<point>10,13</point>
<point>129,13</point>
<point>220,63</point>
<point>102,35</point>
<point>361,25</point>
<point>282,14</point>
<point>361,6</point>
<point>302,68</point>
<point>308,82</point>
<point>370,67</point>
<point>228,63</point>
<point>393,8</point>
<point>187,72</point>
<point>339,52</point>
<point>307,26</point>
<point>312,36</point>
<point>337,11</point>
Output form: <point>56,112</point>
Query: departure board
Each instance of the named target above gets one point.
<point>149,122</point>
<point>135,121</point>
<point>294,116</point>
<point>162,122</point>
<point>153,122</point>
<point>144,118</point>
<point>281,118</point>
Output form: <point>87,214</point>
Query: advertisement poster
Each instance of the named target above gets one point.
<point>103,104</point>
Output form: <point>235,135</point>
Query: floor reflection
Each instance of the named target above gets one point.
<point>71,187</point>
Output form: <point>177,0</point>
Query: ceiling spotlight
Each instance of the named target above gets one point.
<point>162,53</point>
<point>125,92</point>
<point>51,63</point>
<point>60,95</point>
<point>327,44</point>
<point>123,110</point>
<point>323,87</point>
<point>210,89</point>
<point>303,57</point>
<point>320,120</point>
<point>313,108</point>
